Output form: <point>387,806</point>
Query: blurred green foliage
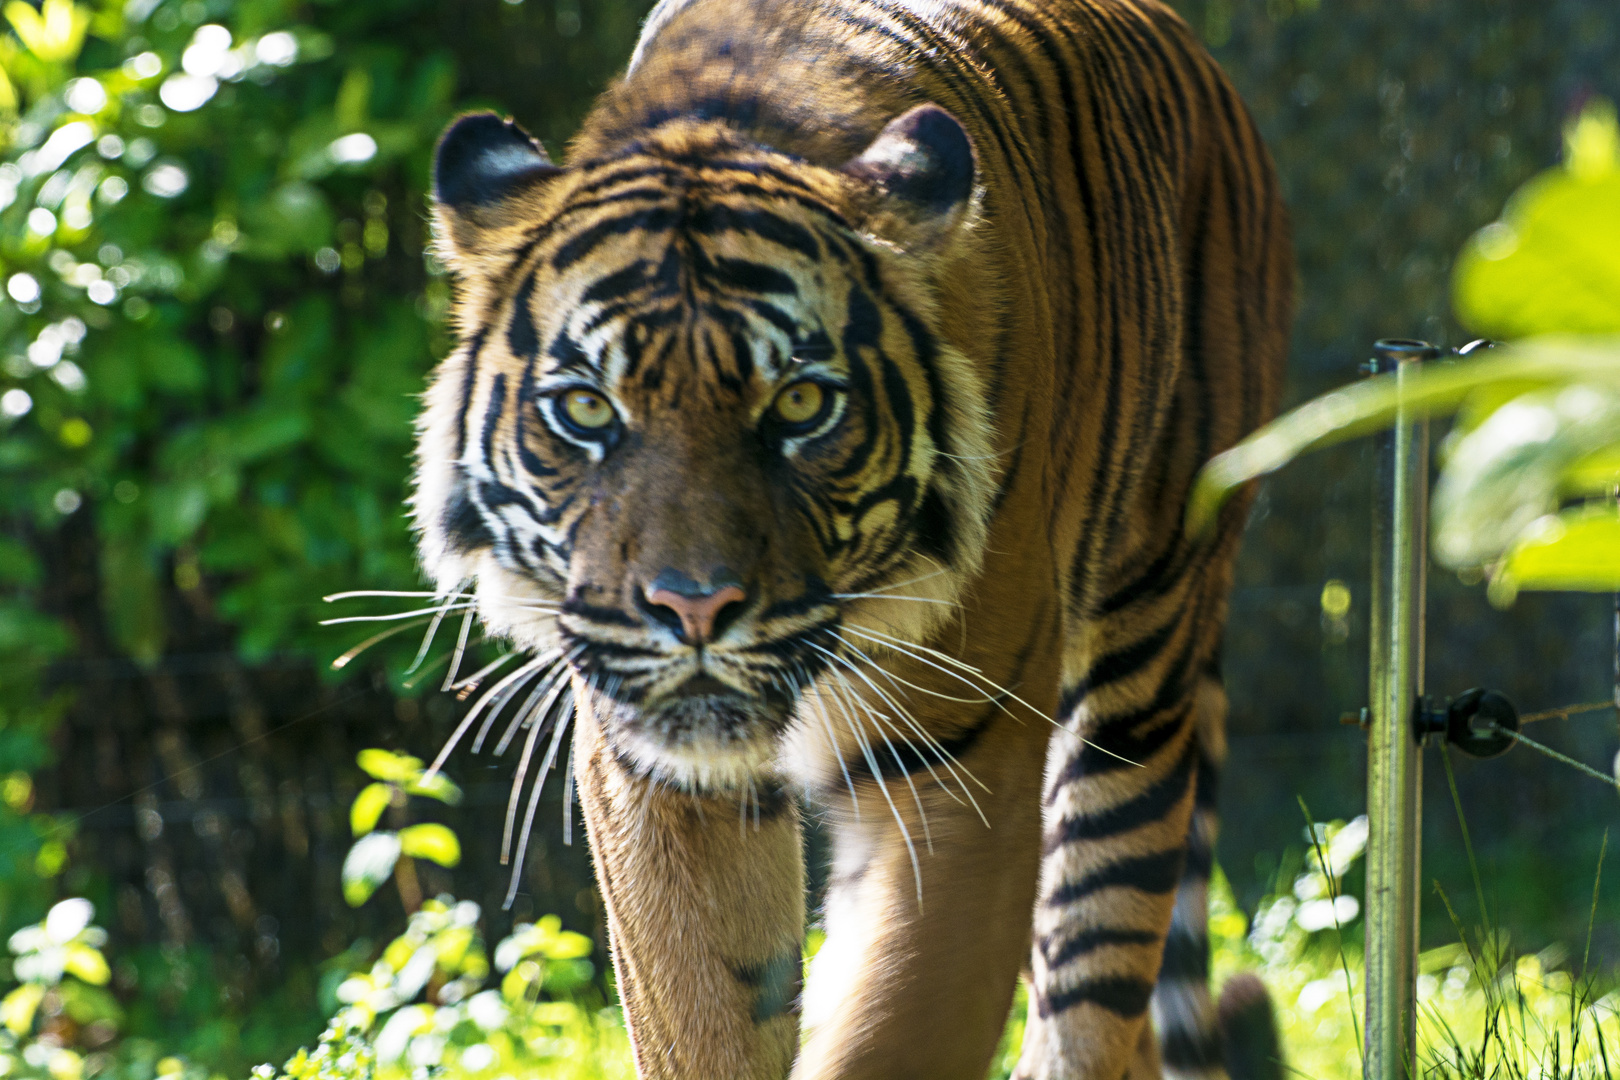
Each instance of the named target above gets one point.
<point>1531,472</point>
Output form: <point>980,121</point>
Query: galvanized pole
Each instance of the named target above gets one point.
<point>1394,776</point>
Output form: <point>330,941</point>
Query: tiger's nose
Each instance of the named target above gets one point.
<point>698,607</point>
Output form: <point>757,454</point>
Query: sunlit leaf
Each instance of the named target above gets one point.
<point>438,786</point>
<point>1514,467</point>
<point>54,33</point>
<point>1372,404</point>
<point>368,865</point>
<point>368,807</point>
<point>1578,550</point>
<point>87,963</point>
<point>1551,264</point>
<point>432,841</point>
<point>390,767</point>
<point>18,1008</point>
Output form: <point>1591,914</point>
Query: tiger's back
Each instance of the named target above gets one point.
<point>1045,362</point>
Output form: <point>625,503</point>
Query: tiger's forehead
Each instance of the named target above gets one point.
<point>662,281</point>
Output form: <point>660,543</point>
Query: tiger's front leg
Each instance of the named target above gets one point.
<point>921,959</point>
<point>705,903</point>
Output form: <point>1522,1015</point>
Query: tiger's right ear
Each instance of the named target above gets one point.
<point>486,172</point>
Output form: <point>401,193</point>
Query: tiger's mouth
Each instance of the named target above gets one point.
<point>711,717</point>
<point>703,734</point>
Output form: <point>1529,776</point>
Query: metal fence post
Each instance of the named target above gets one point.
<point>1394,776</point>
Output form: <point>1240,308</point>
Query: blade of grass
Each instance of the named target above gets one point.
<point>1333,896</point>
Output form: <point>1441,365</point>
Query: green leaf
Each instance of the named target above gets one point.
<point>1514,467</point>
<point>86,1004</point>
<point>86,963</point>
<point>18,1008</point>
<point>437,786</point>
<point>1578,550</point>
<point>1552,263</point>
<point>368,865</point>
<point>368,807</point>
<point>1371,405</point>
<point>18,566</point>
<point>431,841</point>
<point>132,600</point>
<point>388,766</point>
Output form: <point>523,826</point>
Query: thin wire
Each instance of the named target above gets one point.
<point>1520,736</point>
<point>1566,712</point>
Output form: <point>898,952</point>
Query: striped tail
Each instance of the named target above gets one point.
<point>1197,1040</point>
<point>1190,1044</point>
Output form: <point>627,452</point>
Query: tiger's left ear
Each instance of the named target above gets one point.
<point>487,173</point>
<point>920,170</point>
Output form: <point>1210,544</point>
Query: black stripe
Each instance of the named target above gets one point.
<point>1128,660</point>
<point>463,525</point>
<point>605,616</point>
<point>617,285</point>
<point>1156,874</point>
<point>1154,803</point>
<point>762,223</point>
<point>1121,994</point>
<point>1112,747</point>
<point>655,219</point>
<point>778,981</point>
<point>1057,951</point>
<point>469,374</point>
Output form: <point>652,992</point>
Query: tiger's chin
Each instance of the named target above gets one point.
<point>714,744</point>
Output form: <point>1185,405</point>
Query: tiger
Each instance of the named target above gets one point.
<point>821,431</point>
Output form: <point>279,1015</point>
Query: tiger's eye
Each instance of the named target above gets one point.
<point>587,409</point>
<point>800,403</point>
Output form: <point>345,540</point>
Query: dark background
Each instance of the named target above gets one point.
<point>209,779</point>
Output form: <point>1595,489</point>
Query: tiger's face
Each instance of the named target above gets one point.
<point>700,420</point>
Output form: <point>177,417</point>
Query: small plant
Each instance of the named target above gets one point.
<point>61,973</point>
<point>378,854</point>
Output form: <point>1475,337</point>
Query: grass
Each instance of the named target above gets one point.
<point>1487,1012</point>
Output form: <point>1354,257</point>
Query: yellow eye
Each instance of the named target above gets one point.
<point>587,409</point>
<point>800,403</point>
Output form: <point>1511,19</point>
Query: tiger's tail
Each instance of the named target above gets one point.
<point>1197,1039</point>
<point>1249,1030</point>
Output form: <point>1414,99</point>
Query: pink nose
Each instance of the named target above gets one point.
<point>697,612</point>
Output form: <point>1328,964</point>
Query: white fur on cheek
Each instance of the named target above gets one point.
<point>436,437</point>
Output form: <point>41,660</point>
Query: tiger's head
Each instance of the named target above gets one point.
<point>701,418</point>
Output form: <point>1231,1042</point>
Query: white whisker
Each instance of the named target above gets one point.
<point>558,727</point>
<point>905,647</point>
<point>400,594</point>
<point>832,741</point>
<point>525,713</point>
<point>391,618</point>
<point>946,759</point>
<point>466,686</point>
<point>884,596</point>
<point>557,682</point>
<point>461,649</point>
<point>858,731</point>
<point>427,642</point>
<point>474,712</point>
<point>902,584</point>
<point>343,661</point>
<point>878,719</point>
